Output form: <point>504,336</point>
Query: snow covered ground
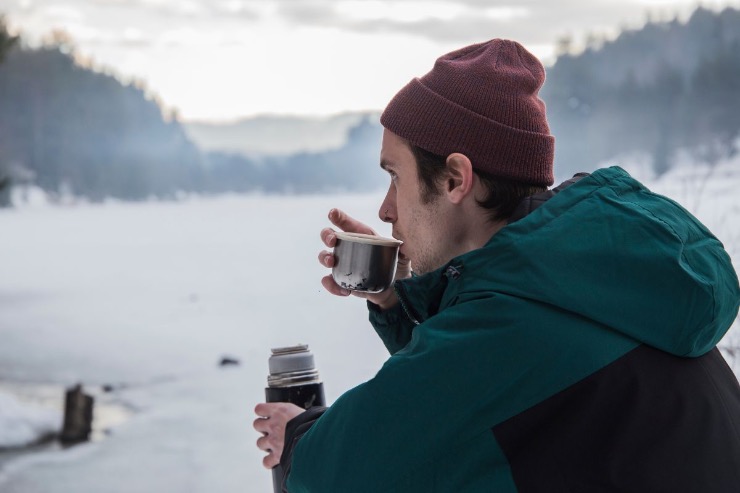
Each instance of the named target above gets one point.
<point>148,297</point>
<point>23,424</point>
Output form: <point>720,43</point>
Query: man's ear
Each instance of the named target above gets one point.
<point>459,180</point>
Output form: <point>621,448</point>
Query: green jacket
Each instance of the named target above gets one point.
<point>591,301</point>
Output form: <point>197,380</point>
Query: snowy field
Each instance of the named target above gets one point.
<point>148,297</point>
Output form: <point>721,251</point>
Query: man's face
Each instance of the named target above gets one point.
<point>420,225</point>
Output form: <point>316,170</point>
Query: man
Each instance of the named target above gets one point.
<point>548,340</point>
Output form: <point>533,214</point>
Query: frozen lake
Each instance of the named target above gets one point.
<point>148,297</point>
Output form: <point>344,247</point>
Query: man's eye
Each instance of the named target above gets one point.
<point>394,176</point>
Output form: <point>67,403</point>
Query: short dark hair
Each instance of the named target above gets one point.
<point>502,198</point>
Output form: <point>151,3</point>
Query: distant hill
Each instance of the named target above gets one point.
<point>666,89</point>
<point>351,167</point>
<point>76,131</point>
<point>657,90</point>
<point>274,135</point>
<point>663,88</point>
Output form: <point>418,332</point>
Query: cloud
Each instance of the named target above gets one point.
<point>133,23</point>
<point>532,21</point>
<point>169,9</point>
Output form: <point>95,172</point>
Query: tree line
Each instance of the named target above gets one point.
<point>666,87</point>
<point>7,41</point>
<point>74,129</point>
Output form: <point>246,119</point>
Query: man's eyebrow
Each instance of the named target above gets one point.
<point>385,164</point>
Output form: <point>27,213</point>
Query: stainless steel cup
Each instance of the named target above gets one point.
<point>365,263</point>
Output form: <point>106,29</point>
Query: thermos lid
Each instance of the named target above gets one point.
<point>291,359</point>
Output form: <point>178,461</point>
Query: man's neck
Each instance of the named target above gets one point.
<point>476,236</point>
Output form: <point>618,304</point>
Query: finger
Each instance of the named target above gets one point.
<point>329,237</point>
<point>403,268</point>
<point>347,223</point>
<point>263,444</point>
<point>261,425</point>
<point>270,461</point>
<point>262,409</point>
<point>333,287</point>
<point>326,259</point>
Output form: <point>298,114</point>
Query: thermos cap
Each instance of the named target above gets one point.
<point>291,359</point>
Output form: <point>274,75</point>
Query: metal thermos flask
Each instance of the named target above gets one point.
<point>293,378</point>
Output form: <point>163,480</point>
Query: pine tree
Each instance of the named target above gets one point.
<point>7,41</point>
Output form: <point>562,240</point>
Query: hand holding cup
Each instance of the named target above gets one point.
<point>359,250</point>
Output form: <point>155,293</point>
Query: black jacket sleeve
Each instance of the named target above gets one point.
<point>294,430</point>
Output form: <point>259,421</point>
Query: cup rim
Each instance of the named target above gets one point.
<point>368,239</point>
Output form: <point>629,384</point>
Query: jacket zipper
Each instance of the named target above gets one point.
<point>405,307</point>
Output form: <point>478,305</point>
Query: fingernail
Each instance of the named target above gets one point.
<point>326,258</point>
<point>330,238</point>
<point>346,292</point>
<point>331,213</point>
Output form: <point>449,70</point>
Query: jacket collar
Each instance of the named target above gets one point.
<point>423,296</point>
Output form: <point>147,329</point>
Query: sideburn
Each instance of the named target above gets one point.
<point>431,170</point>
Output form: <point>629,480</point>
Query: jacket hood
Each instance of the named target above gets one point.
<point>608,249</point>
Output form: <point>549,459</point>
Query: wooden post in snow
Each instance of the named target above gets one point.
<point>78,416</point>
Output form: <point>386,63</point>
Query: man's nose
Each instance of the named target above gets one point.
<point>384,215</point>
<point>387,212</point>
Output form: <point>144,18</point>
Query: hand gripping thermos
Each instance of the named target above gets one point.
<point>293,378</point>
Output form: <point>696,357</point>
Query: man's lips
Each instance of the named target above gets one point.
<point>401,255</point>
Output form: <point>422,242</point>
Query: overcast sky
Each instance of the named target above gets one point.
<point>224,59</point>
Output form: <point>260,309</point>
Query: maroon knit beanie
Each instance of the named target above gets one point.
<point>480,101</point>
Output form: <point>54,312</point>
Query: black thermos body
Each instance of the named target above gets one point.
<point>293,378</point>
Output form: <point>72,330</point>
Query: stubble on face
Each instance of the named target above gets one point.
<point>426,232</point>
